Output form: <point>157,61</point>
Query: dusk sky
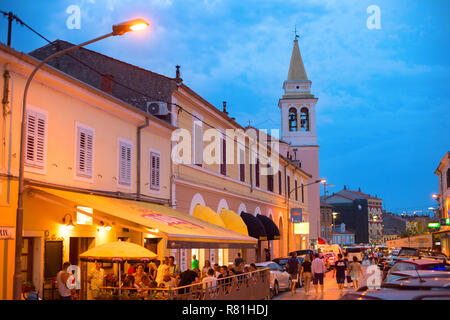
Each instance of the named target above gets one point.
<point>384,94</point>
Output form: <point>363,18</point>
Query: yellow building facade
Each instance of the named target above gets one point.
<point>80,139</point>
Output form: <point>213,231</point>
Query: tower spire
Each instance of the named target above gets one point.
<point>297,70</point>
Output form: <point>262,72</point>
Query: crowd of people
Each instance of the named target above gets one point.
<point>346,272</point>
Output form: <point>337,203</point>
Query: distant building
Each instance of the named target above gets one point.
<point>343,237</point>
<point>393,223</point>
<point>360,212</point>
<point>441,239</point>
<point>325,220</point>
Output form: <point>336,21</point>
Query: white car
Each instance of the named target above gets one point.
<point>279,278</point>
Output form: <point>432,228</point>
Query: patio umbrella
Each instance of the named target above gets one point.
<point>118,251</point>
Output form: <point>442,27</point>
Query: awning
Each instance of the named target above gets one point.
<point>272,231</point>
<point>118,251</point>
<point>254,226</point>
<point>207,214</point>
<point>233,221</point>
<point>181,230</point>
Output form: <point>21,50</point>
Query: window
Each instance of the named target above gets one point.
<point>257,172</point>
<point>270,181</point>
<point>223,162</point>
<point>296,190</point>
<point>85,151</point>
<point>304,119</point>
<point>292,119</point>
<point>36,138</point>
<point>155,163</point>
<point>448,178</point>
<point>124,163</point>
<point>288,187</point>
<point>242,165</point>
<point>280,186</point>
<point>303,193</point>
<point>198,142</point>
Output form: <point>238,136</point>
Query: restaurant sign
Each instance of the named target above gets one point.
<point>7,233</point>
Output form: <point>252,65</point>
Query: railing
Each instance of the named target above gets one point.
<point>247,286</point>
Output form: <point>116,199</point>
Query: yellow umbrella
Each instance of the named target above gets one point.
<point>118,251</point>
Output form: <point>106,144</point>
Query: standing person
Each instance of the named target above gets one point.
<point>340,267</point>
<point>187,278</point>
<point>194,262</point>
<point>62,278</point>
<point>152,271</point>
<point>293,268</point>
<point>216,269</point>
<point>356,272</point>
<point>318,272</point>
<point>210,281</point>
<point>96,279</point>
<point>174,270</point>
<point>238,262</point>
<point>163,270</point>
<point>347,271</point>
<point>305,273</point>
<point>206,269</point>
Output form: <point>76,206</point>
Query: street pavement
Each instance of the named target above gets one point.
<point>331,291</point>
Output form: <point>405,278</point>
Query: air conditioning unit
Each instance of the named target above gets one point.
<point>157,108</point>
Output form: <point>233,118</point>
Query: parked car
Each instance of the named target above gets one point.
<point>408,285</point>
<point>419,264</point>
<point>354,252</point>
<point>389,294</point>
<point>279,278</point>
<point>311,253</point>
<point>424,276</point>
<point>283,262</point>
<point>329,260</point>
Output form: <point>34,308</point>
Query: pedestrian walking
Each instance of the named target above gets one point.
<point>356,272</point>
<point>318,272</point>
<point>62,278</point>
<point>195,262</point>
<point>305,273</point>
<point>348,283</point>
<point>293,269</point>
<point>340,267</point>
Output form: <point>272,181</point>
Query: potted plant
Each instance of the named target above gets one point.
<point>105,296</point>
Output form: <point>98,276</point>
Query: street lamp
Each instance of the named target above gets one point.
<point>334,214</point>
<point>119,29</point>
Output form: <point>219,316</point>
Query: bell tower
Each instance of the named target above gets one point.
<point>298,129</point>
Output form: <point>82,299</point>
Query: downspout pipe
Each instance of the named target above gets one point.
<point>138,164</point>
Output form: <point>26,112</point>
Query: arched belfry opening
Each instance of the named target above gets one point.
<point>304,119</point>
<point>292,119</point>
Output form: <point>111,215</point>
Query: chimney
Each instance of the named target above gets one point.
<point>225,107</point>
<point>345,187</point>
<point>107,83</point>
<point>359,189</point>
<point>178,75</point>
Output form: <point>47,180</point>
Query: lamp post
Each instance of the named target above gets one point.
<point>118,30</point>
<point>334,214</point>
<point>288,209</point>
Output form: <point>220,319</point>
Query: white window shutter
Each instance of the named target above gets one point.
<point>125,163</point>
<point>35,144</point>
<point>85,151</point>
<point>155,163</point>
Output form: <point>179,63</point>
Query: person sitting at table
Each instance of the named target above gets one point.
<point>139,274</point>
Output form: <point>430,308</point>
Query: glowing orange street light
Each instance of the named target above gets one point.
<point>131,25</point>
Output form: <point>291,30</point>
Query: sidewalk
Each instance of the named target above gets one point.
<point>331,291</point>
